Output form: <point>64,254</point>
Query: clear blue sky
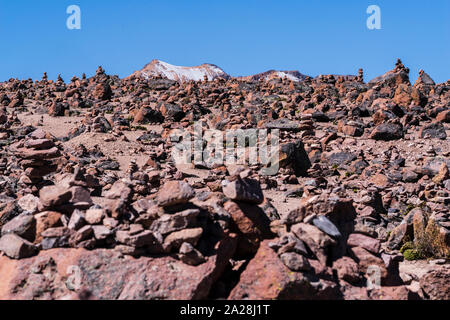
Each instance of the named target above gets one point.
<point>241,36</point>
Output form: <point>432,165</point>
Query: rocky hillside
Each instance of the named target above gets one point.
<point>93,204</point>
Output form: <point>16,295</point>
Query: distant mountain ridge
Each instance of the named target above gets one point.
<point>179,73</point>
<point>158,68</point>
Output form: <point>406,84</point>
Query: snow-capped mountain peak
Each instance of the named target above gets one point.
<point>182,74</point>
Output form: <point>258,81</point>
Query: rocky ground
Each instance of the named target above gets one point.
<point>92,204</point>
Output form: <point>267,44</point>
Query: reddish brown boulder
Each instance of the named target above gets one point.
<point>369,263</point>
<point>102,91</point>
<point>387,132</point>
<point>54,195</point>
<point>347,269</point>
<point>267,278</point>
<point>363,241</point>
<point>252,225</point>
<point>59,273</point>
<point>16,247</point>
<point>246,190</point>
<point>38,154</point>
<point>443,116</point>
<point>174,192</point>
<point>390,293</point>
<point>436,283</point>
<point>46,220</point>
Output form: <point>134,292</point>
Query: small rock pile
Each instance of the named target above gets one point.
<point>38,155</point>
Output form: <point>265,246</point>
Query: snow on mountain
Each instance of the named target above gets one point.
<point>274,74</point>
<point>182,74</point>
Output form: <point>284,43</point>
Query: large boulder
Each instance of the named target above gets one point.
<point>108,275</point>
<point>16,247</point>
<point>433,130</point>
<point>387,132</point>
<point>267,278</point>
<point>436,283</point>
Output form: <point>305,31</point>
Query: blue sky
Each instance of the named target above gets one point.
<point>241,36</point>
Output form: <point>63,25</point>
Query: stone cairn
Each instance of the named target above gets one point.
<point>37,154</point>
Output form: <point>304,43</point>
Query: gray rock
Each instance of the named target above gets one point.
<point>295,261</point>
<point>174,222</point>
<point>29,203</point>
<point>173,193</point>
<point>324,224</point>
<point>24,226</point>
<point>77,220</point>
<point>17,248</point>
<point>101,232</point>
<point>434,130</point>
<point>340,157</point>
<point>246,190</point>
<point>56,242</point>
<point>283,125</point>
<point>387,132</point>
<point>143,239</point>
<point>189,255</point>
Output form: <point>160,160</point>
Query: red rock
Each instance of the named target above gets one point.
<point>246,190</point>
<point>81,195</point>
<point>38,154</point>
<point>39,144</point>
<point>23,225</point>
<point>444,116</point>
<point>169,223</point>
<point>54,195</point>
<point>368,262</point>
<point>251,223</point>
<point>174,240</point>
<point>173,193</point>
<point>363,241</point>
<point>390,293</point>
<point>39,134</point>
<point>114,277</point>
<point>347,269</point>
<point>267,278</point>
<point>397,236</point>
<point>94,216</point>
<point>316,240</point>
<point>143,239</point>
<point>436,283</point>
<point>46,220</point>
<point>102,91</point>
<point>16,248</point>
<point>119,190</point>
